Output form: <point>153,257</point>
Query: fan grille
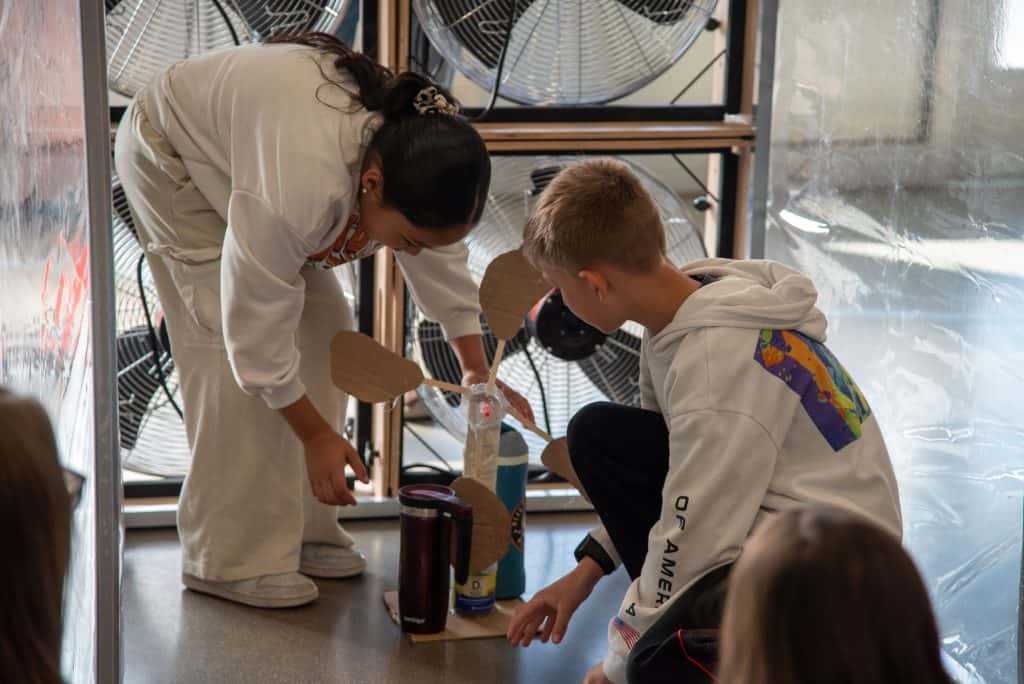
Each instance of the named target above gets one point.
<point>609,375</point>
<point>565,52</point>
<point>144,37</point>
<point>152,436</point>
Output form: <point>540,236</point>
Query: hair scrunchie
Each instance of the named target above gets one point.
<point>430,100</point>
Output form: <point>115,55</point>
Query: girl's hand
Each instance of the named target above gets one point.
<point>327,454</point>
<point>470,350</point>
<point>517,401</point>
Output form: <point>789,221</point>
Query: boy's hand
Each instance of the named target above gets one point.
<point>595,675</point>
<point>551,608</point>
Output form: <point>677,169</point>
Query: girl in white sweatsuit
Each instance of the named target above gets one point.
<point>250,171</point>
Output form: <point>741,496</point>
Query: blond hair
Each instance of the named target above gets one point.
<point>36,509</point>
<point>595,211</point>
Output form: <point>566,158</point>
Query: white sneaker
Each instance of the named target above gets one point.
<point>329,561</point>
<point>286,590</point>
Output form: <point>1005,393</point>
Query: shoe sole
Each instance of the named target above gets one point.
<point>329,572</point>
<point>215,589</point>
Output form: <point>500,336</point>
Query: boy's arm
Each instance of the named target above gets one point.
<point>720,465</point>
<point>597,546</point>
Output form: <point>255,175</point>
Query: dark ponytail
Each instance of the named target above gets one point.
<point>436,168</point>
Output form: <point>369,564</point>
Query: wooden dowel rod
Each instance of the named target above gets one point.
<point>440,384</point>
<point>493,378</point>
<point>530,425</point>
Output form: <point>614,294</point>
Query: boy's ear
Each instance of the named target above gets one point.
<point>596,281</point>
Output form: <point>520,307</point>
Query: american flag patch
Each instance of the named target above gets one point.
<point>628,634</point>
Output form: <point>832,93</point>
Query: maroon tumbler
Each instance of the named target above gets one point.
<point>429,512</point>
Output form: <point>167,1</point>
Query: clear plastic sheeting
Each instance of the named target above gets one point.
<point>45,340</point>
<point>897,183</point>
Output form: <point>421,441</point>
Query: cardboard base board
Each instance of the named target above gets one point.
<point>490,626</point>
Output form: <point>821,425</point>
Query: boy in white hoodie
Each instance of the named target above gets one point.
<point>744,413</point>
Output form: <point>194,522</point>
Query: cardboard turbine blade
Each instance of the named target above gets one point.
<point>492,524</point>
<point>368,371</point>
<point>556,459</point>
<point>510,288</point>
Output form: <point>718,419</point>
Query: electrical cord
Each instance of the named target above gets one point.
<point>509,24</point>
<point>694,177</point>
<point>227,21</point>
<point>429,448</point>
<point>540,386</point>
<point>696,78</point>
<point>153,343</point>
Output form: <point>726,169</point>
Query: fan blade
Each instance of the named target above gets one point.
<point>481,28</point>
<point>119,203</point>
<point>541,178</point>
<point>660,11</point>
<point>615,367</point>
<point>137,381</point>
<point>268,18</point>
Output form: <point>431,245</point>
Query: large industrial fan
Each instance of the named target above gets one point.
<point>566,52</point>
<point>559,362</point>
<point>144,37</point>
<point>150,423</point>
<point>151,431</point>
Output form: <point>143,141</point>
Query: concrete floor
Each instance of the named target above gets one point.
<point>174,635</point>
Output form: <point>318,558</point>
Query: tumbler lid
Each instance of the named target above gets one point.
<point>429,496</point>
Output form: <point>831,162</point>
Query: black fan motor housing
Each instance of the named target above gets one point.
<point>541,178</point>
<point>561,332</point>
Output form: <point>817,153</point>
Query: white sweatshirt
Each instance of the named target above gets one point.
<point>761,418</point>
<point>277,151</point>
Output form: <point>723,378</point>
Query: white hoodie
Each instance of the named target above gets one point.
<point>277,151</point>
<point>761,418</point>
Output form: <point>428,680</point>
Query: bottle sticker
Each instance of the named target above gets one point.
<point>518,524</point>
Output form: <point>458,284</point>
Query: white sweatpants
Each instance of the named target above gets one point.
<point>246,506</point>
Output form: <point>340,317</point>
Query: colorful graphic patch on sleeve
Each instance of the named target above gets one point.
<point>828,393</point>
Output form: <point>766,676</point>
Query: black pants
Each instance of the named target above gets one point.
<point>621,456</point>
